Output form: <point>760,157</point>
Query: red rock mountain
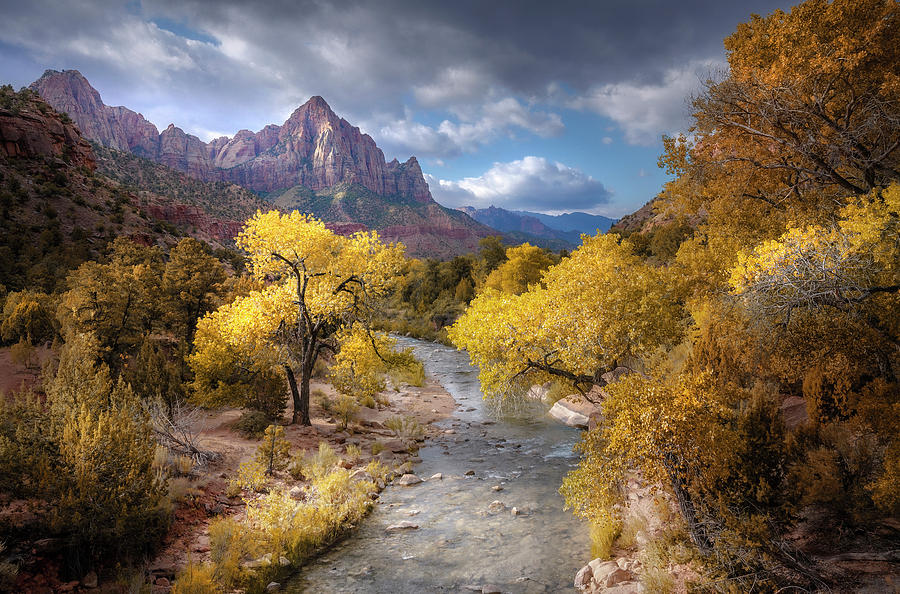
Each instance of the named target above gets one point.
<point>316,162</point>
<point>27,130</point>
<point>313,148</point>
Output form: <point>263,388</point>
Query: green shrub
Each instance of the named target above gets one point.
<point>252,423</point>
<point>274,453</point>
<point>345,410</point>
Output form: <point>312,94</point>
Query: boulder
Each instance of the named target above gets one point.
<point>567,416</point>
<point>583,579</point>
<point>273,587</point>
<point>600,569</point>
<point>616,577</point>
<point>90,580</point>
<point>408,480</point>
<point>395,445</point>
<point>296,493</point>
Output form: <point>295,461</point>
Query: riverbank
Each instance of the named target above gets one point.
<point>366,438</point>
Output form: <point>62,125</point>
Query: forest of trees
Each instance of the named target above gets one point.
<point>786,286</point>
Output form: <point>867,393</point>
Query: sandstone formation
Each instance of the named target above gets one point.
<point>35,133</point>
<point>314,148</point>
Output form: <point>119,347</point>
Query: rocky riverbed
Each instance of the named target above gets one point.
<point>486,516</point>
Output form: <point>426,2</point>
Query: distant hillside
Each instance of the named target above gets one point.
<point>226,206</point>
<point>427,229</point>
<point>58,209</point>
<point>577,222</point>
<point>549,231</point>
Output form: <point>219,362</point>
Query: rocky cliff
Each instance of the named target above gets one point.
<point>29,128</point>
<point>314,155</point>
<point>314,148</point>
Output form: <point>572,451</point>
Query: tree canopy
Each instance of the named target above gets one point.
<point>315,283</point>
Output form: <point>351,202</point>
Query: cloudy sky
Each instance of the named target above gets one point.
<point>549,106</point>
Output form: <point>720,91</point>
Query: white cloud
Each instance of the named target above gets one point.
<point>606,140</point>
<point>452,138</point>
<point>646,111</point>
<point>531,183</point>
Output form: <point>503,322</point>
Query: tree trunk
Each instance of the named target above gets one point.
<point>305,375</point>
<point>686,504</point>
<point>295,396</point>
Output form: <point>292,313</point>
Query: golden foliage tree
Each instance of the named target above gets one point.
<point>596,310</point>
<point>523,267</point>
<point>318,282</point>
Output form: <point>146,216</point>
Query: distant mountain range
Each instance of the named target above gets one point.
<point>311,156</point>
<point>549,231</point>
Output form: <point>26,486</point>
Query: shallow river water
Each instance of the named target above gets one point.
<point>462,542</point>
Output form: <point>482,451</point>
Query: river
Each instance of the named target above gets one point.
<point>463,542</point>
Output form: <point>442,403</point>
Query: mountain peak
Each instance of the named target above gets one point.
<point>314,148</point>
<point>318,102</point>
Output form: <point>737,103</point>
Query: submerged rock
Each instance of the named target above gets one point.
<point>401,526</point>
<point>408,480</point>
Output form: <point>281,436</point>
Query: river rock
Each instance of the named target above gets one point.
<point>496,488</point>
<point>496,506</point>
<point>617,577</point>
<point>273,587</point>
<point>470,473</point>
<point>583,579</point>
<point>490,589</point>
<point>262,561</point>
<point>608,573</point>
<point>408,480</point>
<point>401,526</point>
<point>564,413</point>
<point>436,476</point>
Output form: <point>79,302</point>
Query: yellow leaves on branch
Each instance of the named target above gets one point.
<point>595,308</point>
<point>285,246</point>
<point>838,266</point>
<point>649,425</point>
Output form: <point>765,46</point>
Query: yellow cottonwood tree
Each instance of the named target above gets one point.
<point>317,281</point>
<point>523,267</point>
<point>600,308</point>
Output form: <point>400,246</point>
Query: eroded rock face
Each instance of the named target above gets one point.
<point>314,147</point>
<point>32,133</point>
